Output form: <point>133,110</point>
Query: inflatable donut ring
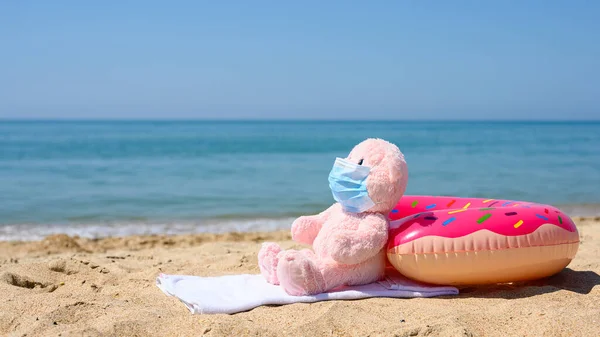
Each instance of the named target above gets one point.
<point>467,241</point>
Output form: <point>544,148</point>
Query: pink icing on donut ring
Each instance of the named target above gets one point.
<point>459,241</point>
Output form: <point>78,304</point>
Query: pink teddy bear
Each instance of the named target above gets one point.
<point>349,237</point>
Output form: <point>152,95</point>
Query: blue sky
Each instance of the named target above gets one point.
<point>302,59</point>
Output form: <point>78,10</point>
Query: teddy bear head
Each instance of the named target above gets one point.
<point>387,172</point>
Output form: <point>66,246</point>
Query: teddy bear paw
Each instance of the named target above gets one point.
<point>299,275</point>
<point>268,260</point>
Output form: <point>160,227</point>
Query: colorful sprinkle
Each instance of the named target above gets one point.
<point>519,223</point>
<point>447,222</point>
<point>486,209</point>
<point>467,205</point>
<point>457,211</point>
<point>483,218</point>
<point>510,213</point>
<point>394,211</point>
<point>546,210</point>
<point>430,206</point>
<point>541,217</point>
<point>559,219</point>
<point>414,203</point>
<point>432,218</point>
<point>506,203</point>
<point>486,201</point>
<point>416,216</point>
<point>515,205</point>
<point>492,204</point>
<point>450,203</point>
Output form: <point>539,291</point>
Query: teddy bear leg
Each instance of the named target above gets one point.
<point>368,272</point>
<point>268,260</point>
<point>298,273</point>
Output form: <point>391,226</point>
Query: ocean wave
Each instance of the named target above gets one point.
<point>221,224</point>
<point>582,210</point>
<point>32,232</point>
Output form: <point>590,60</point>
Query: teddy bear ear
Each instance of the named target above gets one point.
<point>393,172</point>
<point>396,169</point>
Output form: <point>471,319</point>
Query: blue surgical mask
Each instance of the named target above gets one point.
<point>348,184</point>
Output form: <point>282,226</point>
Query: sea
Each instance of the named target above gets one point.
<point>112,178</point>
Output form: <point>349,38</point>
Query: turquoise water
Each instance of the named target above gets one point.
<point>114,178</point>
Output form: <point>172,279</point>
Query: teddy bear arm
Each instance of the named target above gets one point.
<point>353,247</point>
<point>306,228</point>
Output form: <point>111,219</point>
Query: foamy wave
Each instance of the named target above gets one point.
<point>32,232</point>
<point>585,210</point>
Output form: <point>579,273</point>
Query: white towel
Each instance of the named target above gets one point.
<point>236,293</point>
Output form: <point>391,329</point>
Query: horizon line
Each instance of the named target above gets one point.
<point>60,119</point>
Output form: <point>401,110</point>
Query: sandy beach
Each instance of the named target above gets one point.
<point>69,286</point>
